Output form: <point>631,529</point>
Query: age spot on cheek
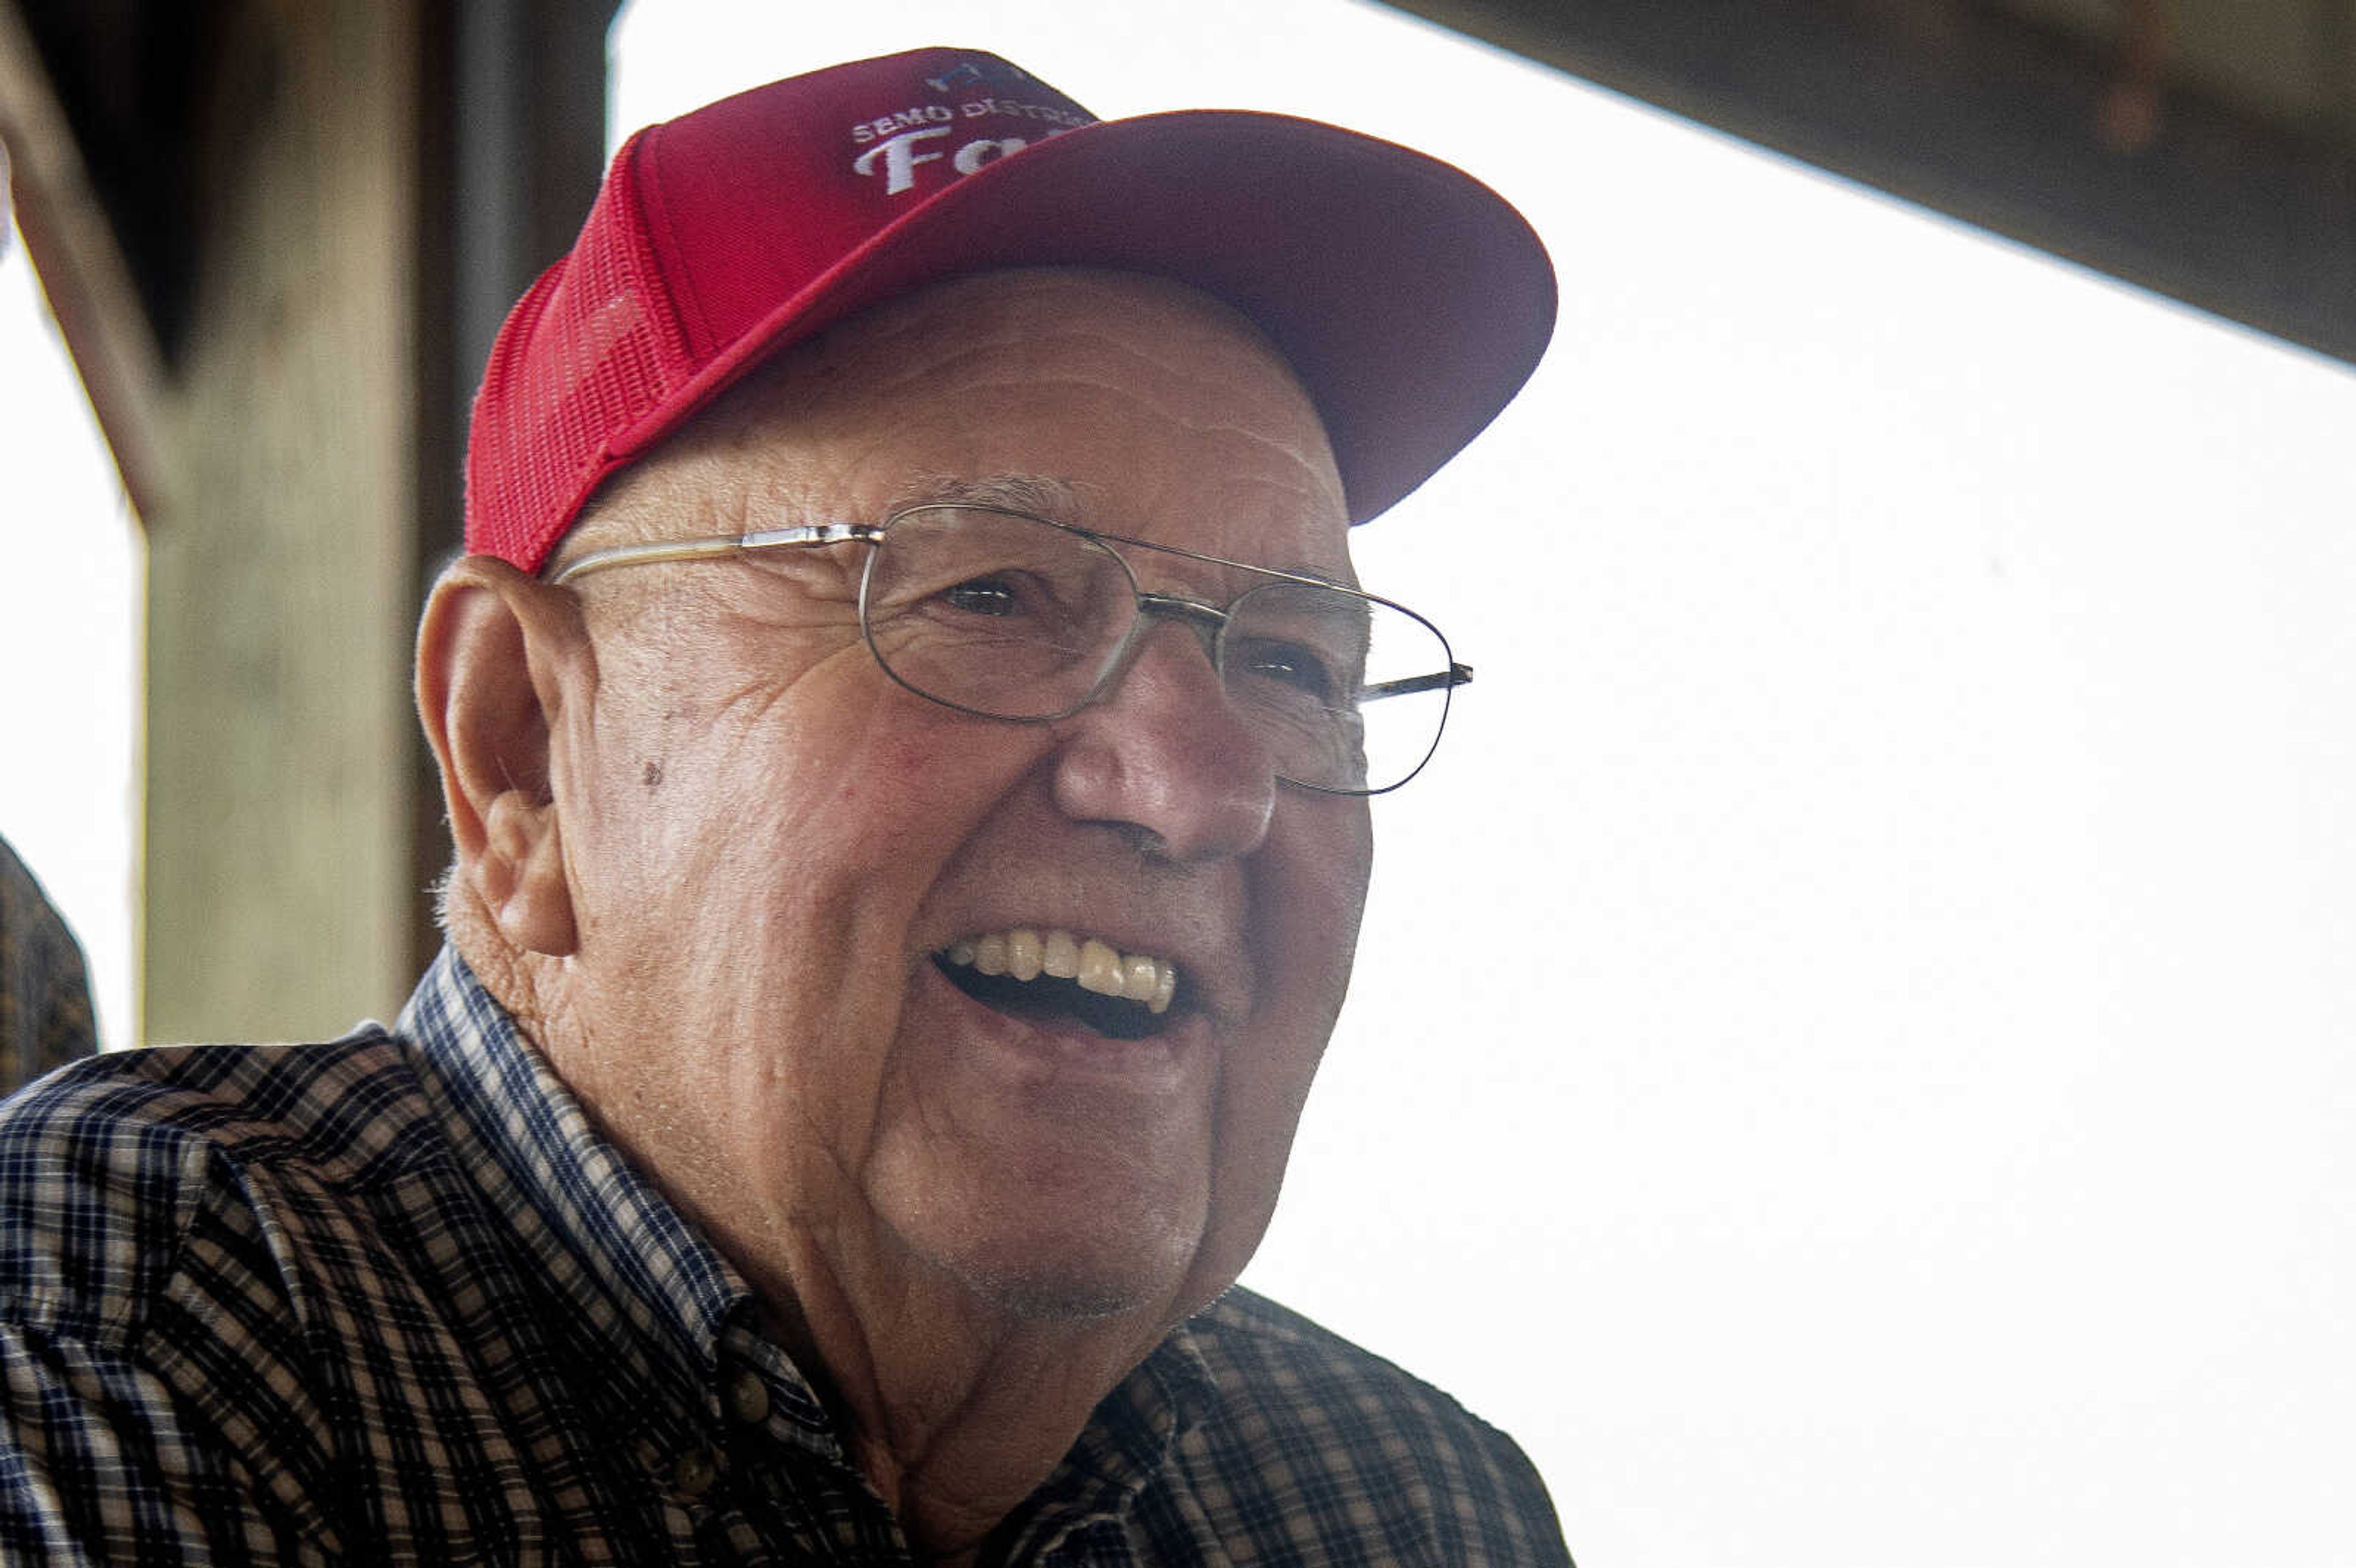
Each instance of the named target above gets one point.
<point>653,775</point>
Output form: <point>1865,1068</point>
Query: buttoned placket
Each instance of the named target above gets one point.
<point>786,1490</point>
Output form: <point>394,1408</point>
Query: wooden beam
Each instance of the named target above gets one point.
<point>2001,122</point>
<point>356,190</point>
<point>281,589</point>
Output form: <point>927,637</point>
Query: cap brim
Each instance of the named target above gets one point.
<point>1410,299</point>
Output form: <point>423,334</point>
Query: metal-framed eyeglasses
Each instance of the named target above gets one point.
<point>1003,614</point>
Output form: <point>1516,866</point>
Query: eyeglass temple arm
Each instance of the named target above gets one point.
<point>715,548</point>
<point>1454,676</point>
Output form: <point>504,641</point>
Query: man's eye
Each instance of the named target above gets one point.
<point>993,596</point>
<point>1291,665</point>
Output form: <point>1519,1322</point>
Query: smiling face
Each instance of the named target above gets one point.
<point>789,875</point>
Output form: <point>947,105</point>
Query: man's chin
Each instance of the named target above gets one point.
<point>1039,1297</point>
<point>1076,1284</point>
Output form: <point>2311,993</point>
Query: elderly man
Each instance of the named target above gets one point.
<point>908,722</point>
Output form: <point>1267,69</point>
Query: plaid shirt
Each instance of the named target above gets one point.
<point>45,1018</point>
<point>392,1300</point>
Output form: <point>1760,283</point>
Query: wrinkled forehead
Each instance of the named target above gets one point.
<point>1114,401</point>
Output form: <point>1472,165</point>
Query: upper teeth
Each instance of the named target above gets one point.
<point>1099,966</point>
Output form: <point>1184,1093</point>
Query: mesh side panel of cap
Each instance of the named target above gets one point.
<point>542,420</point>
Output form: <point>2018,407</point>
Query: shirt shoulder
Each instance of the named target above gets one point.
<point>106,1166</point>
<point>1318,1451</point>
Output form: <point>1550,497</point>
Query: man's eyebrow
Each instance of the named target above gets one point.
<point>1037,493</point>
<point>1058,501</point>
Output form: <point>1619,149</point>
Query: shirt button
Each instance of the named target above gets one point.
<point>748,1399</point>
<point>695,1472</point>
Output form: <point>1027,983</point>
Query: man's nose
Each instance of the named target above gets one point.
<point>1164,750</point>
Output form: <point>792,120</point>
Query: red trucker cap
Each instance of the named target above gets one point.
<point>1411,301</point>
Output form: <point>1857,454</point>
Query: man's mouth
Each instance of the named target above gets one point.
<point>1054,975</point>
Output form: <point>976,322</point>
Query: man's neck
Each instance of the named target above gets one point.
<point>956,1417</point>
<point>956,1414</point>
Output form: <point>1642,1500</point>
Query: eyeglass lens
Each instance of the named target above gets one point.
<point>1015,617</point>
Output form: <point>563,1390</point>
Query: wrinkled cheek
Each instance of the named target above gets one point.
<point>1358,853</point>
<point>1308,901</point>
<point>918,781</point>
<point>1316,897</point>
<point>1252,1141</point>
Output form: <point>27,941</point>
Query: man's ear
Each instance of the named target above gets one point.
<point>492,652</point>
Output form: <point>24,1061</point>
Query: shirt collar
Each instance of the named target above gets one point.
<point>626,1265</point>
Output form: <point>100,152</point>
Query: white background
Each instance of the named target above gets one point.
<point>1850,1058</point>
<point>70,586</point>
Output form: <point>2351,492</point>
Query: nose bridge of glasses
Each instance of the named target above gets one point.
<point>1205,620</point>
